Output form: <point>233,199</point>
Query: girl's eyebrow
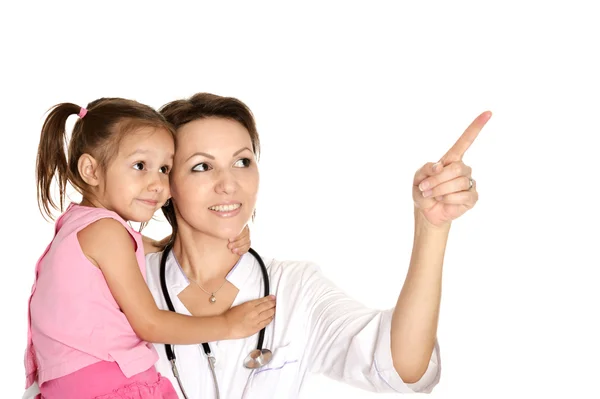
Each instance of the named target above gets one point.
<point>138,151</point>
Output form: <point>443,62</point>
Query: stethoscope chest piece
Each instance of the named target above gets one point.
<point>258,358</point>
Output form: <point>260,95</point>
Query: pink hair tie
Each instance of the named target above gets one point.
<point>82,112</point>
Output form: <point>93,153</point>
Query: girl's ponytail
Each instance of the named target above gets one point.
<point>52,158</point>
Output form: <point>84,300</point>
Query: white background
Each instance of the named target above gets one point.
<point>350,99</point>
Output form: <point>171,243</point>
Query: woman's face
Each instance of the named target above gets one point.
<point>214,181</point>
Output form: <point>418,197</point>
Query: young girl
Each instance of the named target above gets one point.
<point>91,314</point>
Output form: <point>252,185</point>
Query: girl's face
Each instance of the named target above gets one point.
<point>214,181</point>
<point>136,182</point>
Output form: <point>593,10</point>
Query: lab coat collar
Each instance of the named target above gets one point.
<point>237,276</point>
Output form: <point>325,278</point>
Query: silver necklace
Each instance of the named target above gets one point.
<point>212,299</point>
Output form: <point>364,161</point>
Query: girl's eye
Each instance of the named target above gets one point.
<point>139,166</point>
<point>243,163</point>
<point>201,167</point>
<point>165,169</point>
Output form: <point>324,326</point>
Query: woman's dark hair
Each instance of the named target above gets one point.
<point>201,106</point>
<point>98,132</point>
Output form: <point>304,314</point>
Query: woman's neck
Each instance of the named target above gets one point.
<point>203,258</point>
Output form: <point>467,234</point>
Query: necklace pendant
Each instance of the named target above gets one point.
<point>212,298</point>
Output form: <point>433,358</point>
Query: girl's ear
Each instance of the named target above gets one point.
<point>89,170</point>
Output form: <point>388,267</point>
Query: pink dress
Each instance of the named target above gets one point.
<point>80,344</point>
<point>104,380</point>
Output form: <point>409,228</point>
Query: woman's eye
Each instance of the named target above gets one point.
<point>165,169</point>
<point>138,166</point>
<point>243,163</point>
<point>201,167</point>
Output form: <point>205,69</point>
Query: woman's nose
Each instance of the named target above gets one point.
<point>226,183</point>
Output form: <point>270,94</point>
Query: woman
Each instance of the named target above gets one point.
<point>317,328</point>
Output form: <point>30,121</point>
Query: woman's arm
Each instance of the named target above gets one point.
<point>415,318</point>
<point>442,192</point>
<point>395,350</point>
<point>351,343</point>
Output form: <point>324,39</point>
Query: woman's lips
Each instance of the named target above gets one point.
<point>226,210</point>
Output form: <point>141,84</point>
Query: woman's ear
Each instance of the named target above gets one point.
<point>89,170</point>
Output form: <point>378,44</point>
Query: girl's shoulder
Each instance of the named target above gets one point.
<point>77,217</point>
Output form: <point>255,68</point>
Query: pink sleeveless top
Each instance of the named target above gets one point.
<point>73,319</point>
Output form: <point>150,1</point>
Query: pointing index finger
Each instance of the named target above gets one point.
<point>466,139</point>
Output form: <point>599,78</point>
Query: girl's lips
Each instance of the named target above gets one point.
<point>148,202</point>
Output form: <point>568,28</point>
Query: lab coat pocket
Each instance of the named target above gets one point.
<point>280,374</point>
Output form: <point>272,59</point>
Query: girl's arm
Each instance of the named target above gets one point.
<point>109,246</point>
<point>238,245</point>
<point>151,246</point>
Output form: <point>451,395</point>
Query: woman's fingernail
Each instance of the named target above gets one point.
<point>436,166</point>
<point>424,186</point>
<point>427,193</point>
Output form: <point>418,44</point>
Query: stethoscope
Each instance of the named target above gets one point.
<point>255,359</point>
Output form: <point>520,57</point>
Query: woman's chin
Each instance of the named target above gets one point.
<point>226,233</point>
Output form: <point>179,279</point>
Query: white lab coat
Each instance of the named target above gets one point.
<point>317,329</point>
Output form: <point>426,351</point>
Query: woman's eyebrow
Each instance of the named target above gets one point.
<point>204,154</point>
<point>238,151</point>
<point>200,153</point>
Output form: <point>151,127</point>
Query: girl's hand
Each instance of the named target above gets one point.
<point>241,244</point>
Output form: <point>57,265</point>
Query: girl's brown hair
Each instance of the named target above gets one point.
<point>201,106</point>
<point>98,132</point>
